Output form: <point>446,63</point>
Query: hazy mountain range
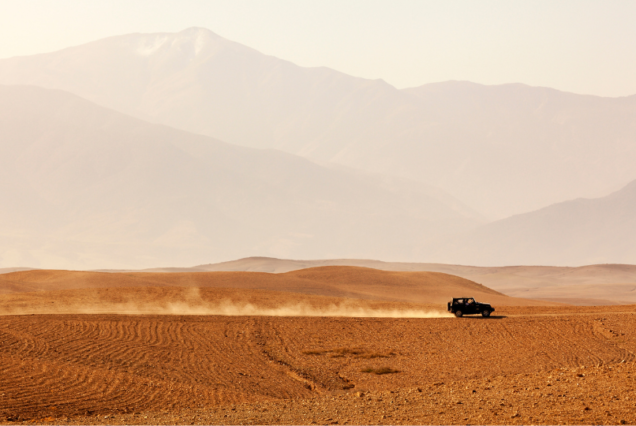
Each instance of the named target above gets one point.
<point>582,231</point>
<point>83,186</point>
<point>387,173</point>
<point>502,150</point>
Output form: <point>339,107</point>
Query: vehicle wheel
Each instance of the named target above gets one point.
<point>458,314</point>
<point>485,313</point>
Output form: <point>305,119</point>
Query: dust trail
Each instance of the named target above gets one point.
<point>191,301</point>
<point>230,308</point>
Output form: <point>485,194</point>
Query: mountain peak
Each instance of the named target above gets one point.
<point>194,38</point>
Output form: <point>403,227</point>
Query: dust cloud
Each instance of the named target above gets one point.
<point>235,309</point>
<point>228,308</point>
<point>191,301</point>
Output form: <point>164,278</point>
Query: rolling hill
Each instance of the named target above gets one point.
<point>425,288</point>
<point>603,284</point>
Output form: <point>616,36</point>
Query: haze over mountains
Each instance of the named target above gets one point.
<point>582,231</point>
<point>502,150</point>
<point>87,187</point>
<point>386,172</point>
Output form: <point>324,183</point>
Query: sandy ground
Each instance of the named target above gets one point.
<point>527,365</point>
<point>339,346</point>
<point>563,396</point>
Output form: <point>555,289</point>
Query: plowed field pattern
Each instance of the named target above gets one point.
<point>68,365</point>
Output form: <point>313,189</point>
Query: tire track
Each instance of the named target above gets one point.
<point>77,364</point>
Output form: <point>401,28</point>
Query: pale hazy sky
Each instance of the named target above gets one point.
<point>579,46</point>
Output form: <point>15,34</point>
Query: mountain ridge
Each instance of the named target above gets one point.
<point>141,194</point>
<point>473,141</point>
<point>576,232</point>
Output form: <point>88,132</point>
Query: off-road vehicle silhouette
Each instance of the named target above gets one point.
<point>461,306</point>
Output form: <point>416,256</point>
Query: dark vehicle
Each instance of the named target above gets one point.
<point>461,306</point>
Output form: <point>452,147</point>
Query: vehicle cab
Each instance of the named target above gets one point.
<point>461,306</point>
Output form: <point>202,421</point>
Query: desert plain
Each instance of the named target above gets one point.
<point>323,345</point>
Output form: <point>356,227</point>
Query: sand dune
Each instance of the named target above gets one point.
<point>584,285</point>
<point>604,284</point>
<point>429,288</point>
<point>9,270</point>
